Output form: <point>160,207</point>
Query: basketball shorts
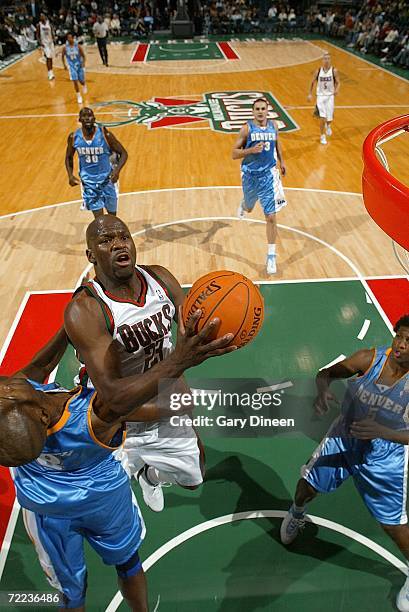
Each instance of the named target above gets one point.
<point>48,50</point>
<point>266,187</point>
<point>177,451</point>
<point>378,467</point>
<point>325,105</point>
<point>77,72</point>
<point>115,531</point>
<point>100,195</point>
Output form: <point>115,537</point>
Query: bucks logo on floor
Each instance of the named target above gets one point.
<point>225,111</point>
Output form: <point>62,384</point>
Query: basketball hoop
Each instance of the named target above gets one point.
<point>387,199</point>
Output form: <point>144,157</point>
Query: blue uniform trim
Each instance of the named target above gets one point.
<point>132,567</point>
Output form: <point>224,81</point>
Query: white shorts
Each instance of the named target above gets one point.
<point>48,50</point>
<point>325,105</point>
<point>175,450</point>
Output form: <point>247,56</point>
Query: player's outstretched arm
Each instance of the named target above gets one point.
<point>85,326</point>
<point>357,363</point>
<point>69,161</point>
<point>44,362</point>
<point>117,147</point>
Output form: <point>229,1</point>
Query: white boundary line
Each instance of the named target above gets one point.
<point>260,514</point>
<point>167,189</point>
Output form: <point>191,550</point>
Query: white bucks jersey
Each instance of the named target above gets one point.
<point>141,326</point>
<point>325,82</point>
<point>46,36</point>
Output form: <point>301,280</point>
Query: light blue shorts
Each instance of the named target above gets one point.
<point>266,187</point>
<point>100,195</point>
<point>378,467</point>
<point>76,73</point>
<point>115,531</point>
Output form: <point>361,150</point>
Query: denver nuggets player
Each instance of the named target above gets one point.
<point>368,441</point>
<point>121,322</point>
<point>73,55</point>
<point>328,84</point>
<point>94,146</point>
<point>258,147</point>
<point>45,39</point>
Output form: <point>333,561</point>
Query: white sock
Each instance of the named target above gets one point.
<point>156,477</point>
<point>271,249</point>
<point>85,88</point>
<point>50,73</point>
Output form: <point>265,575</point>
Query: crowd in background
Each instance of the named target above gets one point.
<point>373,27</point>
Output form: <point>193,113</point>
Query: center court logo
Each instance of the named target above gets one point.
<point>225,111</point>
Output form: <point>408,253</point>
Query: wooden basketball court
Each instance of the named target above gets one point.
<point>180,192</point>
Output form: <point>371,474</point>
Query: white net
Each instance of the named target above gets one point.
<point>401,254</point>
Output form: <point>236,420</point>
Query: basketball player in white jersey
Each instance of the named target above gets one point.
<point>45,39</point>
<point>120,323</point>
<point>328,84</point>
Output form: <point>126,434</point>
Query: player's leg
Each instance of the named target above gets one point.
<point>110,193</point>
<point>60,551</point>
<point>81,78</point>
<point>322,111</point>
<point>381,480</point>
<point>49,54</point>
<point>249,185</point>
<point>272,199</point>
<point>161,457</point>
<point>93,200</point>
<point>329,114</point>
<point>319,475</point>
<point>115,531</point>
<point>74,77</point>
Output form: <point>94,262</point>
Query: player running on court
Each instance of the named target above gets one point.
<point>328,84</point>
<point>368,441</point>
<point>99,179</point>
<point>45,39</point>
<point>73,55</point>
<point>259,148</point>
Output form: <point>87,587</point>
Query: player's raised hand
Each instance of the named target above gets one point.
<point>194,347</point>
<point>258,148</point>
<point>73,181</point>
<point>321,403</point>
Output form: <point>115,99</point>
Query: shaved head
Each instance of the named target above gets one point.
<point>100,224</point>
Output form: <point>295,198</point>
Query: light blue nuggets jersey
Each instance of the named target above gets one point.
<point>74,472</point>
<point>267,159</point>
<point>365,398</point>
<point>72,54</point>
<point>93,156</point>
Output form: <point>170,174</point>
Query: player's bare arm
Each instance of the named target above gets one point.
<point>357,363</point>
<point>82,54</point>
<point>63,54</point>
<point>279,151</point>
<point>117,147</point>
<point>69,161</point>
<point>47,358</point>
<point>239,152</point>
<point>85,326</point>
<point>314,80</point>
<point>337,81</point>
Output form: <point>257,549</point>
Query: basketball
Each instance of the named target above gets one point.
<point>231,297</point>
